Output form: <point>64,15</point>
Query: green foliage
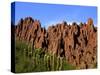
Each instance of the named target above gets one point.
<point>81,24</point>
<point>28,60</point>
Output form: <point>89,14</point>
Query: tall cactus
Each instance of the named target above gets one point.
<point>61,63</point>
<point>34,61</point>
<point>37,60</point>
<point>28,50</point>
<point>53,62</point>
<point>58,63</point>
<point>48,63</point>
<point>24,53</point>
<point>45,56</point>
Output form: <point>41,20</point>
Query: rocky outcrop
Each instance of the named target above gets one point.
<point>77,43</point>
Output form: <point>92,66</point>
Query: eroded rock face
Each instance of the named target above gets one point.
<point>78,44</point>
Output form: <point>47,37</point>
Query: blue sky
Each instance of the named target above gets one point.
<point>49,14</point>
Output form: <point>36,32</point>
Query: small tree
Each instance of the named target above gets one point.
<point>81,24</point>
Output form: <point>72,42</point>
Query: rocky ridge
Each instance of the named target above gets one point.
<point>77,43</point>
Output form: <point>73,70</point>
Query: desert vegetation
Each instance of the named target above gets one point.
<point>37,60</point>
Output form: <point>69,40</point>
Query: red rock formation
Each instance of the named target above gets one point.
<point>78,44</point>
